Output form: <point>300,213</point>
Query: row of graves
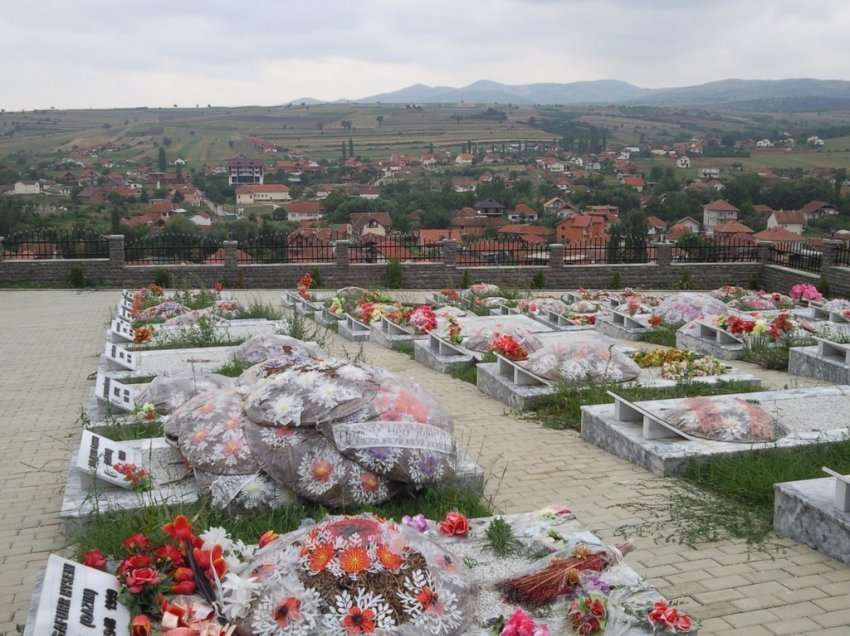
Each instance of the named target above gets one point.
<point>298,426</point>
<point>523,349</point>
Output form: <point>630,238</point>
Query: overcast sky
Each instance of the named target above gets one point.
<point>105,53</point>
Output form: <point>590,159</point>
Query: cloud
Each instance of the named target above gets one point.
<point>98,53</point>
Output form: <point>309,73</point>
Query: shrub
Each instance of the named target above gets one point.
<point>162,278</point>
<point>538,281</point>
<point>823,286</point>
<point>317,279</point>
<point>76,277</point>
<point>393,278</point>
<point>684,282</point>
<point>616,281</point>
<point>465,281</point>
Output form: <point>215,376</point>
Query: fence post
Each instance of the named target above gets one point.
<point>230,257</point>
<point>556,255</point>
<point>663,254</point>
<point>450,252</point>
<point>2,250</point>
<point>764,251</point>
<point>116,250</point>
<point>830,247</point>
<point>342,255</point>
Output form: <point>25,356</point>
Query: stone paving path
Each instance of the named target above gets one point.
<point>49,343</point>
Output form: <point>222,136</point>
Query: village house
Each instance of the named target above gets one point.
<point>709,173</point>
<point>428,237</point>
<point>581,227</point>
<point>717,212</point>
<point>656,228</point>
<point>791,220</point>
<point>244,171</point>
<point>428,160</point>
<point>201,219</point>
<point>732,230</point>
<point>633,181</point>
<point>776,235</point>
<point>303,210</point>
<point>27,187</point>
<point>262,193</point>
<point>522,214</point>
<point>155,215</point>
<point>818,209</point>
<point>489,207</point>
<point>378,223</point>
<point>368,192</point>
<point>463,184</point>
<point>464,159</point>
<point>683,227</point>
<point>554,205</point>
<point>683,162</point>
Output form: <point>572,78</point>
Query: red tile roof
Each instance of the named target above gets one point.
<point>776,234</point>
<point>720,205</point>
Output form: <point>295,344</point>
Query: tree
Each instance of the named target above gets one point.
<point>178,197</point>
<point>162,160</point>
<point>351,147</point>
<point>344,151</point>
<point>380,120</point>
<point>840,176</point>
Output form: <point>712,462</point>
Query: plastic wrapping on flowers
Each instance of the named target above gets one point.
<point>260,348</point>
<point>584,307</point>
<point>687,306</point>
<point>724,419</point>
<point>761,301</point>
<point>481,290</point>
<point>728,292</point>
<point>837,304</point>
<point>168,392</point>
<point>542,305</point>
<point>192,317</point>
<point>582,362</point>
<point>481,338</point>
<point>160,312</point>
<point>359,575</point>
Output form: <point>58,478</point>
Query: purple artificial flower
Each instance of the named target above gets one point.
<point>417,522</point>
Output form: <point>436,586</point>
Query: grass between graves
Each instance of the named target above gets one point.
<point>258,310</point>
<point>731,496</point>
<point>775,357</point>
<point>470,373</point>
<point>122,432</point>
<point>106,531</point>
<point>562,410</point>
<point>406,348</point>
<point>661,335</point>
<point>234,368</point>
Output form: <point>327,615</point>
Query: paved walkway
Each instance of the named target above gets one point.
<point>49,342</point>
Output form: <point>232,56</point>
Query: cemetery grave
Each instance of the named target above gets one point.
<point>664,435</point>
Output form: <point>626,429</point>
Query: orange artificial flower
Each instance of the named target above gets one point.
<point>179,529</point>
<point>267,537</point>
<point>140,626</point>
<point>354,560</point>
<point>321,556</point>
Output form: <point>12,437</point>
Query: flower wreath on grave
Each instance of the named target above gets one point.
<point>304,284</point>
<point>507,346</point>
<point>541,305</point>
<point>727,293</point>
<point>422,317</point>
<point>145,297</point>
<point>455,333</point>
<point>159,313</point>
<point>805,291</point>
<point>684,307</point>
<point>762,301</point>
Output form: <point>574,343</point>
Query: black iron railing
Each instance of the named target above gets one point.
<point>592,251</point>
<point>797,255</point>
<point>841,256</point>
<point>715,250</point>
<point>502,252</point>
<point>174,249</point>
<point>394,248</point>
<point>47,244</point>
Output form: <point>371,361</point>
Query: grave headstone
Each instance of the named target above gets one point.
<point>98,455</point>
<point>115,392</point>
<point>77,600</point>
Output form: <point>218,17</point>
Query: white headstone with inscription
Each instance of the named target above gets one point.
<point>98,455</point>
<point>77,600</point>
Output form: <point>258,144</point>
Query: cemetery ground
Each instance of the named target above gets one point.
<point>50,342</point>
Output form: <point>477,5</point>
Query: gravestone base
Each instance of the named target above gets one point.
<point>805,511</point>
<point>393,341</point>
<point>85,496</point>
<point>355,336</point>
<point>560,326</point>
<point>469,475</point>
<point>605,326</point>
<point>519,398</point>
<point>806,362</point>
<point>440,363</point>
<point>326,320</point>
<point>710,348</point>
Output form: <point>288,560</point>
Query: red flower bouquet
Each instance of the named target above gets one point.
<point>588,614</point>
<point>507,346</point>
<point>304,284</point>
<point>666,619</point>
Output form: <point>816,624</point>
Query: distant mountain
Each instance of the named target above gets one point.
<point>489,92</point>
<point>728,94</point>
<point>309,101</point>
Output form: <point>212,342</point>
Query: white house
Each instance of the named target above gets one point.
<point>717,212</point>
<point>683,162</point>
<point>261,193</point>
<point>791,220</point>
<point>201,219</point>
<point>764,143</point>
<point>709,173</point>
<point>27,187</point>
<point>464,159</point>
<point>815,141</point>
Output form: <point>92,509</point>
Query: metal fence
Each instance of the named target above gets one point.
<point>841,256</point>
<point>46,245</point>
<point>795,254</point>
<point>715,250</point>
<point>266,248</point>
<point>174,249</point>
<point>311,251</point>
<point>593,251</point>
<point>400,248</point>
<point>495,252</point>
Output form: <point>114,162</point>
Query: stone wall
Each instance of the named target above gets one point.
<point>662,274</point>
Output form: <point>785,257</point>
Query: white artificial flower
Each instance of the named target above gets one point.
<point>216,536</point>
<point>238,593</point>
<point>287,409</point>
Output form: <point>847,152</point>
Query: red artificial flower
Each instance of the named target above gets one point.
<point>320,557</point>
<point>183,587</point>
<point>267,537</point>
<point>218,286</point>
<point>140,578</point>
<point>389,559</point>
<point>142,334</point>
<point>359,621</point>
<point>454,525</point>
<point>95,559</point>
<point>179,529</point>
<point>182,574</point>
<point>133,562</point>
<point>286,611</point>
<point>655,320</point>
<point>169,553</point>
<point>136,543</point>
<point>140,626</point>
<point>508,347</point>
<point>211,561</point>
<point>685,623</point>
